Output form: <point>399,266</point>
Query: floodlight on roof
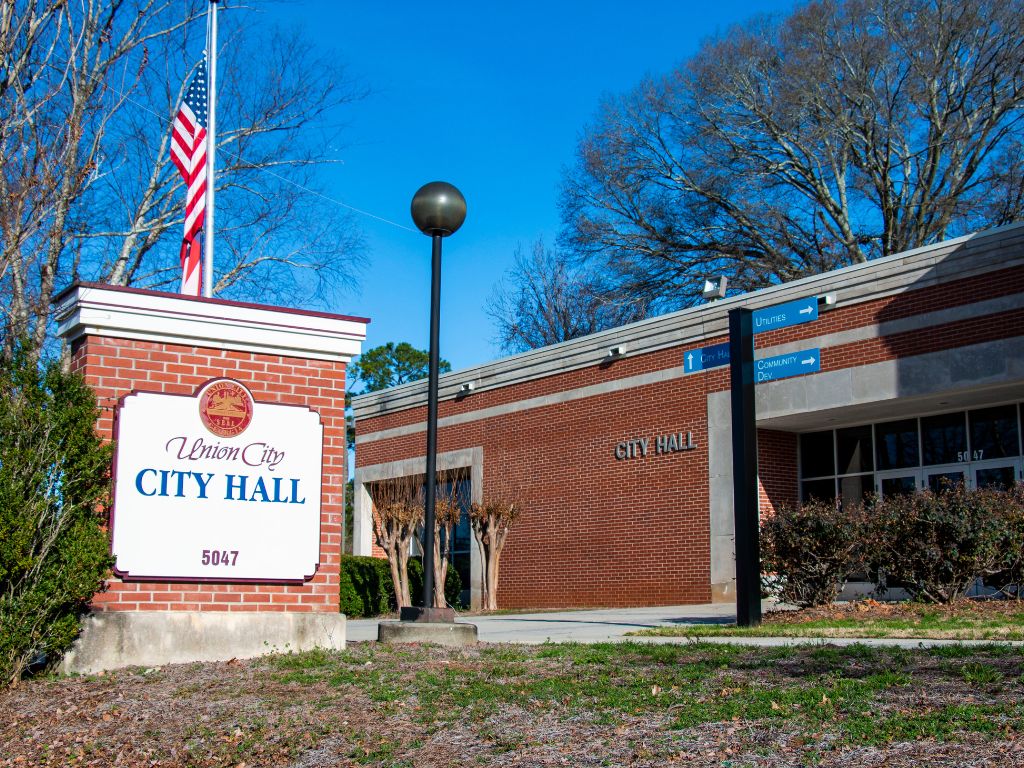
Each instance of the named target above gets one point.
<point>714,288</point>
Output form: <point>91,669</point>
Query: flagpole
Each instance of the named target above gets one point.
<point>211,148</point>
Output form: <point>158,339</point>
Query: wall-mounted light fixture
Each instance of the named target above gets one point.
<point>828,299</point>
<point>617,351</point>
<point>714,288</point>
<point>466,387</point>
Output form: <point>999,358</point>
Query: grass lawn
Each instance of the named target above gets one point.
<point>966,620</point>
<point>625,704</point>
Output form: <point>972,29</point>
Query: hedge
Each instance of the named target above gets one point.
<point>366,588</point>
<point>814,547</point>
<point>934,545</point>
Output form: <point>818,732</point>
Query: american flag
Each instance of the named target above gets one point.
<point>188,151</point>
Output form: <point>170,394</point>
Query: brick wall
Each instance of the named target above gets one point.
<point>114,367</point>
<point>579,542</point>
<point>776,470</point>
<point>601,532</point>
<point>934,298</point>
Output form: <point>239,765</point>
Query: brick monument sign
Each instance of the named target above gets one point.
<point>229,473</point>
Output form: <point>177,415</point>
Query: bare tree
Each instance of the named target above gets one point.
<point>88,190</point>
<point>546,298</point>
<point>447,513</point>
<point>57,97</point>
<point>278,237</point>
<point>491,523</point>
<point>397,512</point>
<point>848,130</point>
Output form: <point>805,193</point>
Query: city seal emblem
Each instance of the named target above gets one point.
<point>225,408</point>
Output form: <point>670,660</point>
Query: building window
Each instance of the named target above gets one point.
<point>896,443</point>
<point>980,448</point>
<point>817,455</point>
<point>856,488</point>
<point>893,486</point>
<point>818,490</point>
<point>943,438</point>
<point>994,433</point>
<point>853,450</point>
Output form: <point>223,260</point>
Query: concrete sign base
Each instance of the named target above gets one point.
<point>114,639</point>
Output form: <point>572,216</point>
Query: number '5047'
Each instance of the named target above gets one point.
<point>220,557</point>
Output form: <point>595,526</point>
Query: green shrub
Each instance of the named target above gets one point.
<point>936,544</point>
<point>810,551</point>
<point>452,584</point>
<point>54,487</point>
<point>366,587</point>
<point>1009,572</point>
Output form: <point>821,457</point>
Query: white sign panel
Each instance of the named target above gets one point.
<point>216,487</point>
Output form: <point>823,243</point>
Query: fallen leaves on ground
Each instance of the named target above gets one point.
<point>271,714</point>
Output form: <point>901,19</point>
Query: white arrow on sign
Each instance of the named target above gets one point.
<point>689,359</point>
<point>807,361</point>
<point>806,311</point>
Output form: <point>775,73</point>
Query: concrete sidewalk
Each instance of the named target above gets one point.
<point>583,626</point>
<point>612,624</point>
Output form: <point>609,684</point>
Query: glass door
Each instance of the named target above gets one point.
<point>944,477</point>
<point>997,473</point>
<point>897,482</point>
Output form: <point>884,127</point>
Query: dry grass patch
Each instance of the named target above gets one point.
<point>550,705</point>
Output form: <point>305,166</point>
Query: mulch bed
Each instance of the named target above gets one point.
<point>868,610</point>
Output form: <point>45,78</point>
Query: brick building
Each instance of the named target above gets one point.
<point>623,458</point>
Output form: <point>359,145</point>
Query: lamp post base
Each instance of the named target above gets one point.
<point>427,615</point>
<point>451,634</point>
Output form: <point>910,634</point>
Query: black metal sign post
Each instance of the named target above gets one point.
<point>744,468</point>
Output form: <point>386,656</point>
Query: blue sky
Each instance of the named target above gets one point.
<point>489,97</point>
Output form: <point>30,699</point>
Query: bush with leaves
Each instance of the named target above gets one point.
<point>54,488</point>
<point>452,584</point>
<point>811,550</point>
<point>367,589</point>
<point>1008,577</point>
<point>935,545</point>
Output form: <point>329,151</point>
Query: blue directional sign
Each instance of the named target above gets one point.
<point>708,357</point>
<point>784,315</point>
<point>784,366</point>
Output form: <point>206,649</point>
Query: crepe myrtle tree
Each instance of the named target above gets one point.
<point>491,523</point>
<point>397,513</point>
<point>447,513</point>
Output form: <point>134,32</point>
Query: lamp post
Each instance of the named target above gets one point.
<point>438,210</point>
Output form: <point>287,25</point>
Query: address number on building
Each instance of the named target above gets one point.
<point>220,556</point>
